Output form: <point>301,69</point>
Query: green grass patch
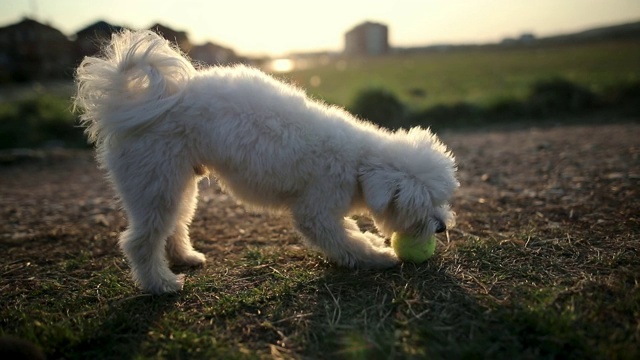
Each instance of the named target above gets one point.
<point>44,120</point>
<point>479,77</point>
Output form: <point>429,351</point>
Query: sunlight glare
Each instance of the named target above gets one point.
<point>282,65</point>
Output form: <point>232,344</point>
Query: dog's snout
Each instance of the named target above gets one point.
<point>441,227</point>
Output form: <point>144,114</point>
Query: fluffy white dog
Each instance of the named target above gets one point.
<point>160,125</point>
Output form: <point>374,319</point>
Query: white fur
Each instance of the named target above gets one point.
<point>158,123</point>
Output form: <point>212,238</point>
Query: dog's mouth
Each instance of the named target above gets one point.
<point>422,229</point>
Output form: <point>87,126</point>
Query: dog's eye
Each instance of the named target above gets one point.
<point>396,194</point>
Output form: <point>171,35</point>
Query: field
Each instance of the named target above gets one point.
<point>479,77</point>
<point>543,263</point>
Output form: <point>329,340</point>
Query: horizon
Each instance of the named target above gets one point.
<point>266,28</point>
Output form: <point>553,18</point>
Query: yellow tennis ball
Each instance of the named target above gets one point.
<point>411,249</point>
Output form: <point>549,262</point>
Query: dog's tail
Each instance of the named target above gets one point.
<point>138,78</point>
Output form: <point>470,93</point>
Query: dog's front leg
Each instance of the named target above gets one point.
<point>352,228</point>
<point>351,248</point>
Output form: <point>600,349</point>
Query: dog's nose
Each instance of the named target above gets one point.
<point>441,227</point>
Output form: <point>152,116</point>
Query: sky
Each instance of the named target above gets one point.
<point>278,27</point>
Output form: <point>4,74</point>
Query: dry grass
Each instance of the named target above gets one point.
<point>543,264</point>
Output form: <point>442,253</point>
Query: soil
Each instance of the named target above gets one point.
<point>581,179</point>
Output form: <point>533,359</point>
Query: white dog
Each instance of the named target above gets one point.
<point>160,125</point>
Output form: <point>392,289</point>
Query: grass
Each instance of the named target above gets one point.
<point>479,77</point>
<point>486,298</point>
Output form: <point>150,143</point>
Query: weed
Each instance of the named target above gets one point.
<point>378,106</point>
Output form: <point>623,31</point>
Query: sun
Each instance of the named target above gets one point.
<point>282,65</point>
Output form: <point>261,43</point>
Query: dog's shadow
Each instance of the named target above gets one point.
<point>375,314</point>
<point>125,326</point>
<point>354,313</point>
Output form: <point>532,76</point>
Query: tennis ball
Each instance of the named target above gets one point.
<point>411,249</point>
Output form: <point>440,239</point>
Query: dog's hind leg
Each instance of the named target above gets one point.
<point>340,239</point>
<point>143,243</point>
<point>151,193</point>
<point>179,248</point>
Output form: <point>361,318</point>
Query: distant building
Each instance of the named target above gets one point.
<point>91,38</point>
<point>524,39</point>
<point>176,37</point>
<point>367,39</point>
<point>212,54</point>
<point>30,50</point>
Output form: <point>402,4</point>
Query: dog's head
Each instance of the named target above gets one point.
<point>407,185</point>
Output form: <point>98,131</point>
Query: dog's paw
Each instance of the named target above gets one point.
<point>374,239</point>
<point>377,258</point>
<point>382,258</point>
<point>178,284</point>
<point>164,285</point>
<point>192,259</point>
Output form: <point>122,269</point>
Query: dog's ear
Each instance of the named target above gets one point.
<point>411,199</point>
<point>379,187</point>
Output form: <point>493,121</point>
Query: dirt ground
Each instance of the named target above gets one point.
<point>578,178</point>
